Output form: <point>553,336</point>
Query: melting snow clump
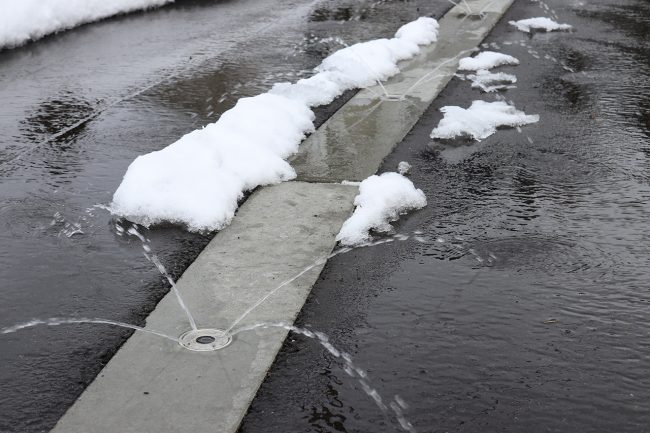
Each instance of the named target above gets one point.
<point>403,168</point>
<point>381,199</point>
<point>486,60</point>
<point>490,82</point>
<point>24,20</point>
<point>198,180</point>
<point>480,120</point>
<point>360,65</point>
<point>539,23</point>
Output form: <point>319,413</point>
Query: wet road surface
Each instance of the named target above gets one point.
<point>525,305</point>
<point>78,107</point>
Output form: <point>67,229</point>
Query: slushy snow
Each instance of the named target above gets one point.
<point>490,82</point>
<point>381,200</point>
<point>199,179</point>
<point>24,20</point>
<point>539,23</point>
<point>486,60</point>
<point>480,120</point>
<point>403,168</point>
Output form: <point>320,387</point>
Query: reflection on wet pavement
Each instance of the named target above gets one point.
<point>78,107</point>
<point>527,308</point>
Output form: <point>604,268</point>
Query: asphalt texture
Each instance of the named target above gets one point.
<point>522,305</point>
<point>78,107</point>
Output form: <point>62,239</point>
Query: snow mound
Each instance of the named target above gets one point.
<point>360,65</point>
<point>24,20</point>
<point>381,199</point>
<point>198,180</point>
<point>486,60</point>
<point>422,31</point>
<point>539,23</point>
<point>490,82</point>
<point>480,120</point>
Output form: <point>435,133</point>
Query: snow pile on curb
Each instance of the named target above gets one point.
<point>539,23</point>
<point>360,65</point>
<point>24,20</point>
<point>486,60</point>
<point>480,120</point>
<point>381,199</point>
<point>490,82</point>
<point>198,180</point>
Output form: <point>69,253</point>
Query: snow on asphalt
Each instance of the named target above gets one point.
<point>486,60</point>
<point>25,20</point>
<point>480,120</point>
<point>539,23</point>
<point>492,81</point>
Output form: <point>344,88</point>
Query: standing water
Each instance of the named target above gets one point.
<point>78,107</point>
<point>545,326</point>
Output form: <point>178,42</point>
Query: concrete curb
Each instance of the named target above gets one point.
<point>352,143</point>
<point>153,384</point>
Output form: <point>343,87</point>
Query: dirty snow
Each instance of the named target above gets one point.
<point>381,199</point>
<point>539,23</point>
<point>403,168</point>
<point>198,180</point>
<point>480,120</point>
<point>486,60</point>
<point>490,82</point>
<point>24,20</point>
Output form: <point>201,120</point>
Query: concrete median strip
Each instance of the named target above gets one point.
<point>154,385</point>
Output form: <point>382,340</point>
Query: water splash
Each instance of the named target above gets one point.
<point>417,236</point>
<point>397,404</point>
<point>56,321</point>
<point>153,258</point>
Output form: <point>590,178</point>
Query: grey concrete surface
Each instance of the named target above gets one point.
<point>353,142</point>
<point>154,385</point>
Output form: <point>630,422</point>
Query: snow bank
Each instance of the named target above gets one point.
<point>486,60</point>
<point>539,23</point>
<point>198,180</point>
<point>24,20</point>
<point>480,120</point>
<point>381,199</point>
<point>360,65</point>
<point>490,82</point>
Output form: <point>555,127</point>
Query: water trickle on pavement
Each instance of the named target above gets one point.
<point>530,314</point>
<point>76,112</point>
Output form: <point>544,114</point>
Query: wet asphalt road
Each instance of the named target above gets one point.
<point>78,107</point>
<point>527,306</point>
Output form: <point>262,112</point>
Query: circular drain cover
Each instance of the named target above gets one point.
<point>204,340</point>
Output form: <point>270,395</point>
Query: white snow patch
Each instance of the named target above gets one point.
<point>24,20</point>
<point>381,199</point>
<point>486,60</point>
<point>198,180</point>
<point>539,23</point>
<point>422,31</point>
<point>490,82</point>
<point>480,120</point>
<point>403,168</point>
<point>360,65</point>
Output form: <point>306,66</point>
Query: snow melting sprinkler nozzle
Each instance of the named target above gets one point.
<point>204,340</point>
